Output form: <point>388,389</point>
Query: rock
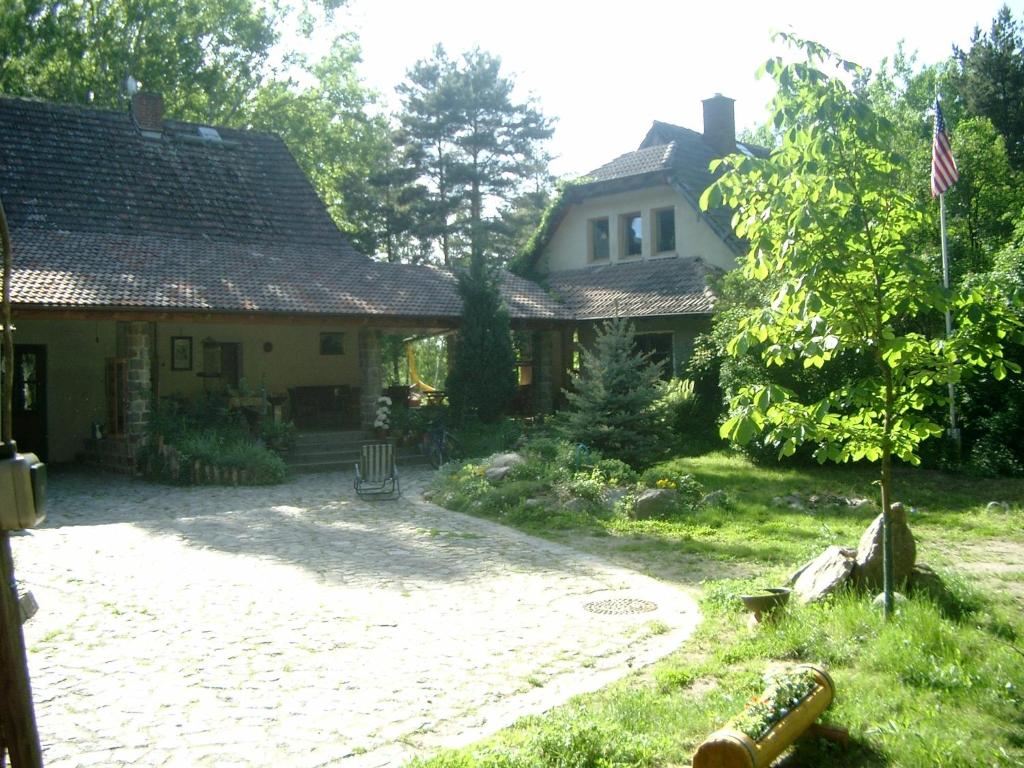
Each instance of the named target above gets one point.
<point>717,498</point>
<point>857,503</point>
<point>612,496</point>
<point>792,500</point>
<point>924,581</point>
<point>510,460</point>
<point>533,503</point>
<point>655,502</point>
<point>495,475</point>
<point>825,574</point>
<point>575,505</point>
<point>897,599</point>
<point>869,552</point>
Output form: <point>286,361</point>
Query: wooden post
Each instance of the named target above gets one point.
<point>17,717</point>
<point>19,720</point>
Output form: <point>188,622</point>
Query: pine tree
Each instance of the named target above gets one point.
<point>991,79</point>
<point>483,377</point>
<point>471,145</point>
<point>610,401</point>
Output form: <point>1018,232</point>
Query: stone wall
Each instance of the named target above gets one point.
<point>369,375</point>
<point>139,395</point>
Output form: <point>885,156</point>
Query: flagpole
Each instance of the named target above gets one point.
<point>953,431</point>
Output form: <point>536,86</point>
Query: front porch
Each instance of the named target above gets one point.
<point>93,381</point>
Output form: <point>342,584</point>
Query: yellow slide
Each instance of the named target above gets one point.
<point>414,376</point>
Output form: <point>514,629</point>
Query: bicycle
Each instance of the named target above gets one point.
<point>440,445</point>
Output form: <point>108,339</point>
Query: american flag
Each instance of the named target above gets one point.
<point>944,172</point>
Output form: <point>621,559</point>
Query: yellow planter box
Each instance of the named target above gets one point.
<point>729,748</point>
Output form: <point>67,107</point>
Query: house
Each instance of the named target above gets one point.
<point>155,258</point>
<point>630,239</point>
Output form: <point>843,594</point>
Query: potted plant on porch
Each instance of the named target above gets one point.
<point>382,419</point>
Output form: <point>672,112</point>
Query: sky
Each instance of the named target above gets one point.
<point>607,70</point>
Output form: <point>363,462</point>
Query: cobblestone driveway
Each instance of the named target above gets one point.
<point>298,626</point>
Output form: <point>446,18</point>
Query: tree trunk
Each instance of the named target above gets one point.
<point>887,553</point>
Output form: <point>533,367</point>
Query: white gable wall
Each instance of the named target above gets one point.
<point>568,248</point>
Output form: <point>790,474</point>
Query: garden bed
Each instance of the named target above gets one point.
<point>898,681</point>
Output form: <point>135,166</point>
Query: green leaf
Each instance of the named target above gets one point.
<point>740,429</point>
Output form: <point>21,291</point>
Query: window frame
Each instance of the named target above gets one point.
<point>592,240</point>
<point>626,233</point>
<point>656,215</point>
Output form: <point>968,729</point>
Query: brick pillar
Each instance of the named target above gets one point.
<point>543,373</point>
<point>369,376</point>
<point>138,351</point>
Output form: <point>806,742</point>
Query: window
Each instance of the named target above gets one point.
<point>665,230</point>
<point>599,240</point>
<point>632,227</point>
<point>659,347</point>
<point>332,343</point>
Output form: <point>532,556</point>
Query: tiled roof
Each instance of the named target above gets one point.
<point>672,286</point>
<point>88,170</point>
<point>646,160</point>
<point>104,270</point>
<point>102,217</point>
<point>681,156</point>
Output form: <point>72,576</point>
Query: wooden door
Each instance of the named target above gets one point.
<point>28,416</point>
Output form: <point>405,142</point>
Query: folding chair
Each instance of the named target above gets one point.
<point>376,472</point>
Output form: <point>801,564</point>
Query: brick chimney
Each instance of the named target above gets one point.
<point>148,111</point>
<point>720,123</point>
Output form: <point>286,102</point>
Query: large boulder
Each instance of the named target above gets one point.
<point>655,502</point>
<point>824,575</point>
<point>868,573</point>
<point>511,459</point>
<point>499,465</point>
<point>495,475</point>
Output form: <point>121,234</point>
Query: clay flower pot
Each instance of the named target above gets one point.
<point>766,600</point>
<point>732,748</point>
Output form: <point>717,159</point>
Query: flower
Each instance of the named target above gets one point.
<point>382,419</point>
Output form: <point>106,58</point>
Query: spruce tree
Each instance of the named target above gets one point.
<point>611,398</point>
<point>483,377</point>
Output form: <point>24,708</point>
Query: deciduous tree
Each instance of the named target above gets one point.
<point>207,58</point>
<point>827,216</point>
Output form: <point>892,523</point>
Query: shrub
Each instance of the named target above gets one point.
<point>615,472</point>
<point>611,400</point>
<point>480,439</point>
<point>483,379</point>
<point>690,489</point>
<point>206,431</point>
<point>278,436</point>
<point>588,486</point>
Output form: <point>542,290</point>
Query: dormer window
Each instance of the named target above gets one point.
<point>632,228</point>
<point>665,230</point>
<point>599,247</point>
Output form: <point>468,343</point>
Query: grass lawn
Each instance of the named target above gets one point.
<point>939,685</point>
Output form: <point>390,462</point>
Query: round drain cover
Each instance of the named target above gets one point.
<point>621,605</point>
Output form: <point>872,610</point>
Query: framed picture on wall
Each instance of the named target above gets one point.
<point>332,343</point>
<point>181,353</point>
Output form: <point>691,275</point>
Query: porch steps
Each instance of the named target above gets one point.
<point>330,451</point>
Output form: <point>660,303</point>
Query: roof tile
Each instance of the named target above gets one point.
<point>668,286</point>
